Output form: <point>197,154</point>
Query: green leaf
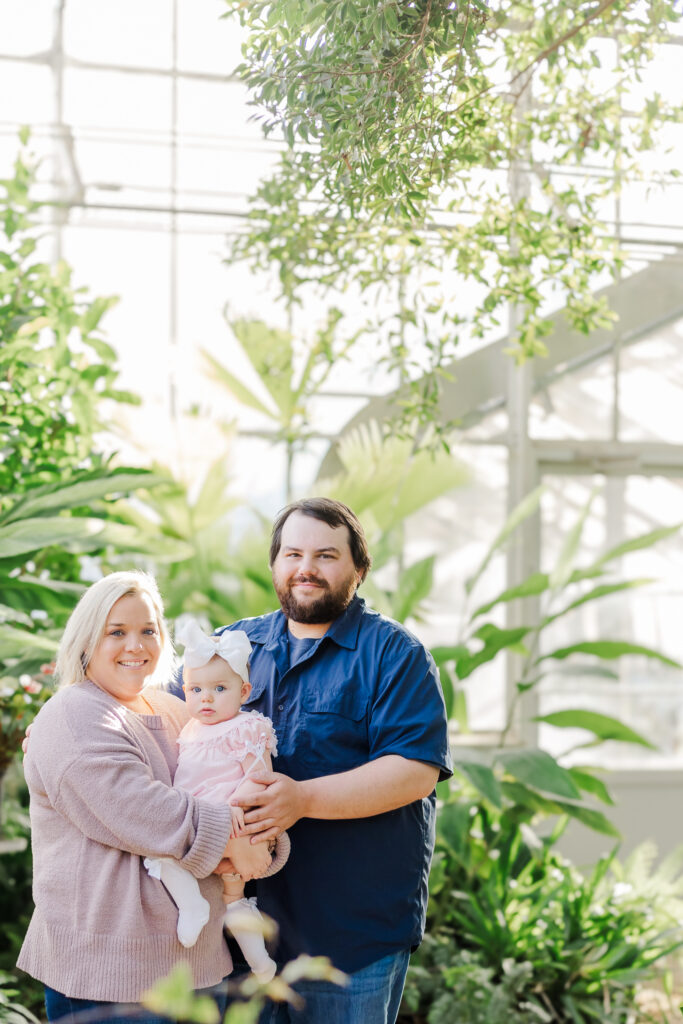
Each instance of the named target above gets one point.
<point>525,796</point>
<point>602,726</point>
<point>645,540</point>
<point>448,688</point>
<point>27,592</point>
<point>495,640</point>
<point>592,819</point>
<point>414,586</point>
<point>590,670</point>
<point>83,492</point>
<point>562,572</point>
<point>174,996</point>
<point>14,642</point>
<point>95,311</point>
<point>528,506</point>
<point>533,585</point>
<point>609,649</point>
<point>604,590</point>
<point>458,712</point>
<point>235,386</point>
<point>32,534</point>
<point>156,546</point>
<point>482,778</point>
<point>590,784</point>
<point>270,351</point>
<point>442,655</point>
<point>32,327</point>
<point>536,768</point>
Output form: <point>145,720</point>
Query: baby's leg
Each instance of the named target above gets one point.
<point>244,921</point>
<point>193,909</point>
<point>233,887</point>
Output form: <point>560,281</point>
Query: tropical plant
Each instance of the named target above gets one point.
<point>291,372</point>
<point>55,366</point>
<point>56,488</point>
<point>12,1012</point>
<point>174,997</point>
<point>43,531</point>
<point>517,934</point>
<point>532,778</point>
<point>431,157</point>
<point>16,904</point>
<point>385,480</point>
<point>217,573</point>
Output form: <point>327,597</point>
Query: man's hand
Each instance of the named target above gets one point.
<point>379,786</point>
<point>275,809</point>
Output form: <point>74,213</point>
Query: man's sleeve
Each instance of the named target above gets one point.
<point>408,714</point>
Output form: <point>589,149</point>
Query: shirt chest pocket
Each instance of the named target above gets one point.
<point>334,729</point>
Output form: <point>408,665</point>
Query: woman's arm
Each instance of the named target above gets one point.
<point>100,777</point>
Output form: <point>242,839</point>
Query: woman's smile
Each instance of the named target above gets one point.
<point>128,651</point>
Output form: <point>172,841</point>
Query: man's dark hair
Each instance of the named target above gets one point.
<point>335,514</point>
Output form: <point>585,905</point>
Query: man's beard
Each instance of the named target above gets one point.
<point>329,606</point>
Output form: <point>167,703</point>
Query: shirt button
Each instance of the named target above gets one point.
<point>281,707</point>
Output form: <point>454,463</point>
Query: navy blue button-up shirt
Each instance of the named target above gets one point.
<point>353,890</point>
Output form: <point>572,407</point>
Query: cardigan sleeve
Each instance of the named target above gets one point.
<point>103,784</point>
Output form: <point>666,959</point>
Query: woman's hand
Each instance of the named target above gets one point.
<point>250,860</point>
<point>24,742</point>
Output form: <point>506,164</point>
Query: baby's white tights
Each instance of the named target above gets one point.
<point>243,920</point>
<point>183,887</point>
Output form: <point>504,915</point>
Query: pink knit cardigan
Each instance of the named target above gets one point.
<point>100,781</point>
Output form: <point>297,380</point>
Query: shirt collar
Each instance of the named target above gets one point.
<point>269,630</point>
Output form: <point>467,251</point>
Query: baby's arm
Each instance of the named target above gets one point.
<point>248,787</point>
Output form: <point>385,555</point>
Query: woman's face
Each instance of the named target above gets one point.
<point>129,649</point>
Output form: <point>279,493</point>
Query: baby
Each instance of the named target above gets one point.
<point>218,748</point>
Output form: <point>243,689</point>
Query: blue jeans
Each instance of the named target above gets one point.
<point>97,1011</point>
<point>372,996</point>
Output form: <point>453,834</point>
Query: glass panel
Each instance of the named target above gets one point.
<point>127,32</point>
<point>206,42</point>
<point>651,388</point>
<point>120,100</point>
<point>645,694</point>
<point>459,528</point>
<point>26,94</point>
<point>111,263</point>
<point>26,28</point>
<point>577,405</point>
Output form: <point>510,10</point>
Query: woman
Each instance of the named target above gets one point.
<point>99,768</point>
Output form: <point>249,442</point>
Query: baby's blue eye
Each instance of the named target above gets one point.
<point>219,689</point>
<point>196,689</point>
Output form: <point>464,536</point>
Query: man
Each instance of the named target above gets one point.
<point>362,740</point>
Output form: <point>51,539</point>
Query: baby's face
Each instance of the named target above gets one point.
<point>214,693</point>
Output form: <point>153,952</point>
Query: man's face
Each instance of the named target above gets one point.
<point>313,574</point>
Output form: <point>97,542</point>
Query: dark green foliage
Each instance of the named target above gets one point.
<point>516,934</point>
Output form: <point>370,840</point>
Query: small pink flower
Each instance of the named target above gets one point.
<point>29,685</point>
<point>48,669</point>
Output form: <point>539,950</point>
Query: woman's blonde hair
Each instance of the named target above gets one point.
<point>87,622</point>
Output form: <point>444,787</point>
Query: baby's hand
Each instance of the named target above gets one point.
<point>237,821</point>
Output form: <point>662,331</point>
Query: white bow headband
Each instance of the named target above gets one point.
<point>232,646</point>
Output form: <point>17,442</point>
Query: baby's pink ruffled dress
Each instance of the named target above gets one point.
<point>210,760</point>
<point>210,757</point>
